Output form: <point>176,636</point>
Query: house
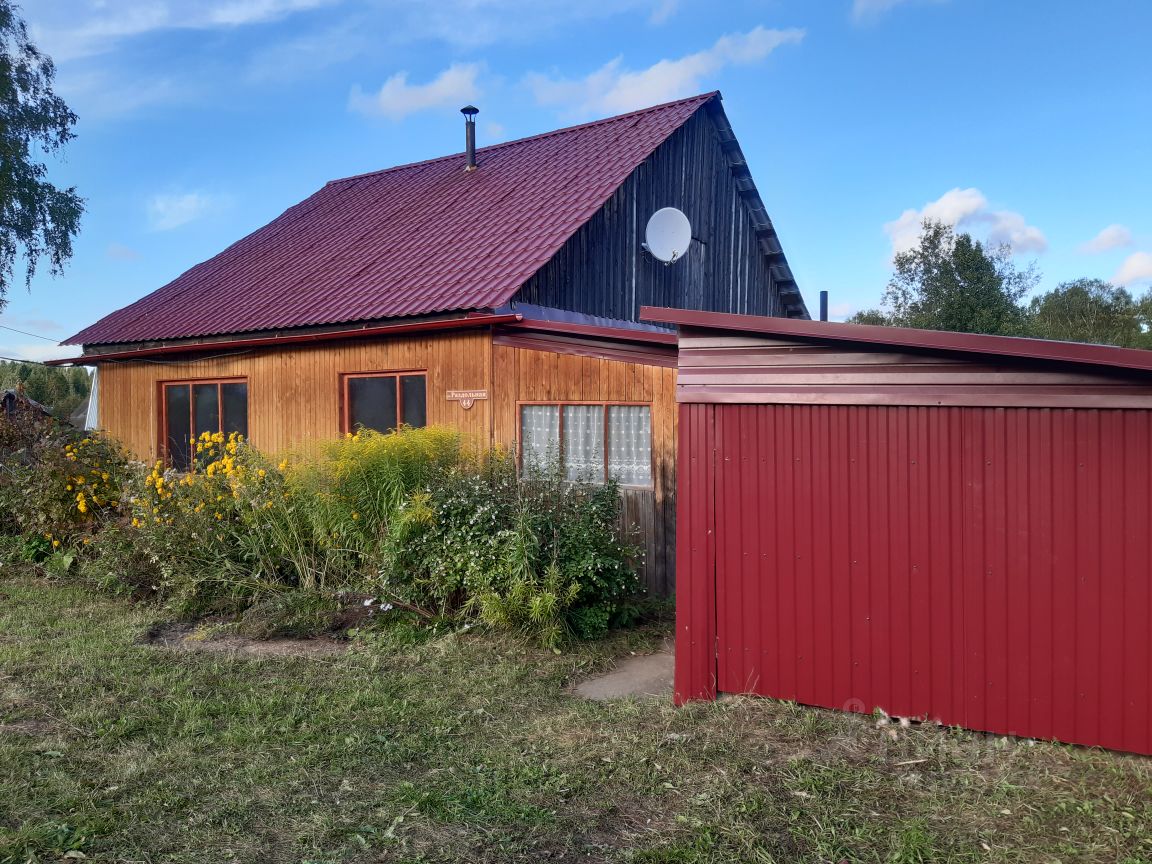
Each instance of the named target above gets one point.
<point>497,290</point>
<point>945,526</point>
<point>13,402</point>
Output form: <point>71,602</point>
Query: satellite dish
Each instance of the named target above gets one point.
<point>668,235</point>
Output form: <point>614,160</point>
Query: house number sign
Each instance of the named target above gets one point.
<point>466,398</point>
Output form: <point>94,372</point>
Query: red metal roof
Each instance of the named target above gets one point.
<point>412,240</point>
<point>906,337</point>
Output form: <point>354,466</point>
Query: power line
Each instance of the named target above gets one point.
<point>19,360</point>
<point>26,333</point>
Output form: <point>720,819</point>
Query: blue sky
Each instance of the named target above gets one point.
<point>1028,122</point>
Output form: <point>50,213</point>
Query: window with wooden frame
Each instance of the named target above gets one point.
<point>594,441</point>
<point>383,400</point>
<point>188,409</point>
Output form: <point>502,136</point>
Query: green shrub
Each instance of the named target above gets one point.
<point>538,553</point>
<point>418,518</point>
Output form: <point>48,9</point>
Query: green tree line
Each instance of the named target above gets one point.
<point>951,281</point>
<point>61,391</point>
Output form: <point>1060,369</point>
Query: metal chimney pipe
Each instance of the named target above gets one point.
<point>823,305</point>
<point>470,112</point>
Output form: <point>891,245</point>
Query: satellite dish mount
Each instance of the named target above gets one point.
<point>668,235</point>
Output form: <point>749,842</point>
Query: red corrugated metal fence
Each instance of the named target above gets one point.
<point>984,567</point>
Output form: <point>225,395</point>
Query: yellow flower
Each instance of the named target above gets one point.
<point>219,515</point>
<point>68,487</point>
<point>261,473</point>
<point>283,466</point>
<point>55,543</point>
<point>355,515</point>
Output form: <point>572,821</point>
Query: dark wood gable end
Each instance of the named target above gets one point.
<point>735,263</point>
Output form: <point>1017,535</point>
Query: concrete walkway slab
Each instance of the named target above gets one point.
<point>643,675</point>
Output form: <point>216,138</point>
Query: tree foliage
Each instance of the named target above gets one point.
<point>61,391</point>
<point>952,282</point>
<point>1092,310</point>
<point>37,219</point>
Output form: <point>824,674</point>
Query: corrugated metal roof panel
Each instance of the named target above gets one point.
<point>1013,347</point>
<point>412,240</point>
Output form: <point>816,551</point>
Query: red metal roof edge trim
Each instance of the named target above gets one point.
<point>622,334</point>
<point>471,320</point>
<point>906,337</point>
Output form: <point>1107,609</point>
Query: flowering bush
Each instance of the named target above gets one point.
<point>56,483</point>
<point>418,518</point>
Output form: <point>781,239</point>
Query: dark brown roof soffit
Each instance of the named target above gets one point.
<point>765,231</point>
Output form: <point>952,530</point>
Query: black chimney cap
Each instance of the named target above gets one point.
<point>469,111</point>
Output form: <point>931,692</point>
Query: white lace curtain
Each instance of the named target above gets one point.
<point>539,435</point>
<point>630,444</point>
<point>629,441</point>
<point>584,442</point>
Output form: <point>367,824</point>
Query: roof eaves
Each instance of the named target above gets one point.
<point>1080,353</point>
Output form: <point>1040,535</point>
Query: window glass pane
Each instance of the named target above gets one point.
<point>177,404</point>
<point>413,400</point>
<point>235,399</point>
<point>206,399</point>
<point>630,444</point>
<point>539,435</point>
<point>372,403</point>
<point>583,444</point>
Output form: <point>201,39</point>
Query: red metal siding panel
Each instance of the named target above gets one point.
<point>985,567</point>
<point>695,557</point>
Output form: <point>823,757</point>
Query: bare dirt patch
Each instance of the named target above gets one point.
<point>184,637</point>
<point>26,727</point>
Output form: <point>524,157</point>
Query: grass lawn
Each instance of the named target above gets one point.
<point>469,750</point>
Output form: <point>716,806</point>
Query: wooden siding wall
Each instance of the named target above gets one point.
<point>724,367</point>
<point>524,375</point>
<point>602,269</point>
<point>294,395</point>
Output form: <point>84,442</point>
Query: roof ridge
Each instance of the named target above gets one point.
<point>702,98</point>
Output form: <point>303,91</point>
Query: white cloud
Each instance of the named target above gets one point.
<point>40,352</point>
<point>612,88</point>
<point>1137,267</point>
<point>171,210</point>
<point>96,93</point>
<point>71,29</point>
<point>397,98</point>
<point>841,311</point>
<point>967,209</point>
<point>662,11</point>
<point>120,252</point>
<point>1112,237</point>
<point>866,9</point>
